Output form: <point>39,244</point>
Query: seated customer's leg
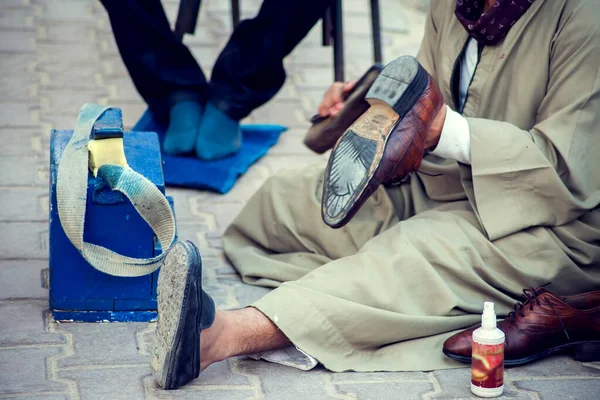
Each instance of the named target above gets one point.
<point>161,67</point>
<point>279,234</point>
<point>249,70</point>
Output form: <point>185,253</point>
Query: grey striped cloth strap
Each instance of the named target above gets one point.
<point>71,192</point>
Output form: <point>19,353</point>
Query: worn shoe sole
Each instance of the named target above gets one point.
<point>582,351</point>
<point>174,280</point>
<point>356,157</point>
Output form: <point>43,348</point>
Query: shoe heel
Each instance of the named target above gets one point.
<point>587,352</point>
<point>400,84</point>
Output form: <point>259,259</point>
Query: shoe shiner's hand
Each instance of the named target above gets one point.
<point>435,130</point>
<point>333,99</point>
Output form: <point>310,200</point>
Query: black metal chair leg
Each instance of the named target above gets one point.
<point>338,41</point>
<point>187,16</point>
<point>376,29</point>
<point>327,27</point>
<point>235,12</point>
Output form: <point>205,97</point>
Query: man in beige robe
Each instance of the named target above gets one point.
<point>419,259</point>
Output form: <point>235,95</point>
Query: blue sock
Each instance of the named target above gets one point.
<point>185,118</point>
<point>219,135</point>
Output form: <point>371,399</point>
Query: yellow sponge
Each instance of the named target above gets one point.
<point>106,151</point>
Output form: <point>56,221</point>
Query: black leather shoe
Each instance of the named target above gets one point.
<point>184,309</point>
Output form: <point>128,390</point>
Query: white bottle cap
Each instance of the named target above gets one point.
<point>488,318</point>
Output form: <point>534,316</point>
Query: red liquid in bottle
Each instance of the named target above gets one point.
<point>487,368</point>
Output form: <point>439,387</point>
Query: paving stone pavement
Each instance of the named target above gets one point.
<point>58,54</point>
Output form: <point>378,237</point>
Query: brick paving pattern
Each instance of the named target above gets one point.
<point>57,55</point>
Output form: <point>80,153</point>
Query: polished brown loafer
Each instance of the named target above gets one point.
<point>386,142</point>
<point>542,325</point>
<point>325,131</point>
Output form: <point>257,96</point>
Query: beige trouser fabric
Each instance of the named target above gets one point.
<point>384,292</point>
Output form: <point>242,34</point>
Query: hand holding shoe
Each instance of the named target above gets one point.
<point>334,98</point>
<point>342,104</point>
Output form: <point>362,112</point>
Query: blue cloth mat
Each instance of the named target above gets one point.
<point>219,175</point>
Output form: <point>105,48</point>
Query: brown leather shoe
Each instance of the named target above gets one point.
<point>543,324</point>
<point>386,142</point>
<point>325,131</point>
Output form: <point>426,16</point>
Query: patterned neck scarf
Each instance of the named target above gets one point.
<point>492,26</point>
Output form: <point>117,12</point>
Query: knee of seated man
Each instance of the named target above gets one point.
<point>295,182</point>
<point>448,219</point>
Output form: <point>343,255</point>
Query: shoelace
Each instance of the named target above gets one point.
<point>530,297</point>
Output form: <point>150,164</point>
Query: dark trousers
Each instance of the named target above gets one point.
<point>247,74</point>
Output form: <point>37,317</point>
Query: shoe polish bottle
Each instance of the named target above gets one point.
<point>487,365</point>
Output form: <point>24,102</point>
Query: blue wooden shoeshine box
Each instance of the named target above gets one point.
<point>79,292</point>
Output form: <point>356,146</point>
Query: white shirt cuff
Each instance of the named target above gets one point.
<point>455,140</point>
